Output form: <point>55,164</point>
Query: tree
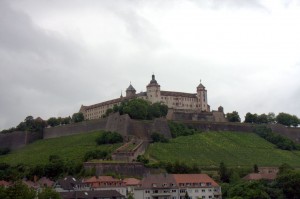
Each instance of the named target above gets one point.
<point>262,119</point>
<point>48,193</point>
<point>20,191</point>
<point>271,117</point>
<point>287,119</point>
<point>290,183</point>
<point>107,137</point>
<point>77,117</point>
<point>137,109</point>
<point>255,168</point>
<point>158,137</point>
<point>52,121</point>
<point>186,196</point>
<point>250,118</point>
<point>233,117</point>
<point>224,173</point>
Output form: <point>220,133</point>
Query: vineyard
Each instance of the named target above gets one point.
<point>209,149</point>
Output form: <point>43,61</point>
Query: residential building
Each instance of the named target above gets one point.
<point>175,186</point>
<point>106,183</point>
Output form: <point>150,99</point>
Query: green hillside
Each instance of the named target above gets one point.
<point>235,149</point>
<point>69,148</point>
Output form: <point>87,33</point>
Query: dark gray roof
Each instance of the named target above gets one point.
<point>103,194</point>
<point>130,88</point>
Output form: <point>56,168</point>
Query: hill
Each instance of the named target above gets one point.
<point>69,148</point>
<point>234,148</point>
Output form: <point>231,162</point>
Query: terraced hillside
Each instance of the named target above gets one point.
<point>235,149</point>
<point>69,148</point>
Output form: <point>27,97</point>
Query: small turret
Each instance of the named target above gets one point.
<point>130,91</point>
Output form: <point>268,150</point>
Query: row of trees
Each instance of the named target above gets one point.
<point>282,118</point>
<point>38,124</point>
<point>140,109</point>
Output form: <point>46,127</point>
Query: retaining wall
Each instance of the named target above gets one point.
<point>18,139</point>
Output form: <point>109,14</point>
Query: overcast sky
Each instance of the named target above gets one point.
<point>56,55</point>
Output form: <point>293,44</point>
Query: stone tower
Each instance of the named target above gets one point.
<point>153,91</point>
<point>202,98</point>
<point>130,91</point>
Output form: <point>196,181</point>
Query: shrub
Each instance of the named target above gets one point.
<point>107,137</point>
<point>96,154</point>
<point>4,151</point>
<point>157,137</point>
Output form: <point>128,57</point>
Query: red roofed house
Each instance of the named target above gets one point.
<point>197,185</point>
<point>106,183</point>
<point>175,186</point>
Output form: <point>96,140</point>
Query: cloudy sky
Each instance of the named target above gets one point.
<point>56,55</point>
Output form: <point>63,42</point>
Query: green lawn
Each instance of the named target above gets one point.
<point>69,148</point>
<point>235,149</point>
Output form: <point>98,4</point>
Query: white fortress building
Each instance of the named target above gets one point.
<point>188,103</point>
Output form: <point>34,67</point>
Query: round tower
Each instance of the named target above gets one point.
<point>153,90</point>
<point>130,91</point>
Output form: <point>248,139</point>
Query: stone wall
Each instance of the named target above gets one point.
<point>77,128</point>
<point>127,169</point>
<point>18,139</point>
<point>220,126</point>
<point>290,132</point>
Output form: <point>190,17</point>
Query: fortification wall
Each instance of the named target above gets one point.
<point>18,139</point>
<point>290,132</point>
<point>76,128</point>
<point>220,126</point>
<point>127,169</point>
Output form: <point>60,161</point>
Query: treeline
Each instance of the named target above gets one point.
<point>270,118</point>
<point>286,185</point>
<point>140,109</point>
<point>37,125</point>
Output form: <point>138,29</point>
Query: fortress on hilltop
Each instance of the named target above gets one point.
<point>182,106</point>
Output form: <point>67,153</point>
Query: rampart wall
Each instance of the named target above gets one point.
<point>18,139</point>
<point>127,169</point>
<point>76,128</point>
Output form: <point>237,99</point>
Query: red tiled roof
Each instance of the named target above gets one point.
<point>259,176</point>
<point>131,181</point>
<point>4,183</point>
<point>194,178</point>
<point>45,182</point>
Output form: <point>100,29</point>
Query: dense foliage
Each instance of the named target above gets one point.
<point>179,129</point>
<point>233,117</point>
<point>259,119</point>
<point>287,119</point>
<point>77,117</point>
<point>107,137</point>
<point>30,124</point>
<point>158,137</point>
<point>140,109</point>
<point>4,151</point>
<point>180,167</point>
<point>20,190</point>
<point>96,154</point>
<point>280,141</point>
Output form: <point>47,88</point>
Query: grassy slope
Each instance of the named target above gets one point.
<point>235,149</point>
<point>69,148</point>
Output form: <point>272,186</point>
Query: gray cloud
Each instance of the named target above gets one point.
<point>57,55</point>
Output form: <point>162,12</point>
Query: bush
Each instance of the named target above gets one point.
<point>157,137</point>
<point>96,154</point>
<point>4,151</point>
<point>107,137</point>
<point>178,129</point>
<point>142,159</point>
